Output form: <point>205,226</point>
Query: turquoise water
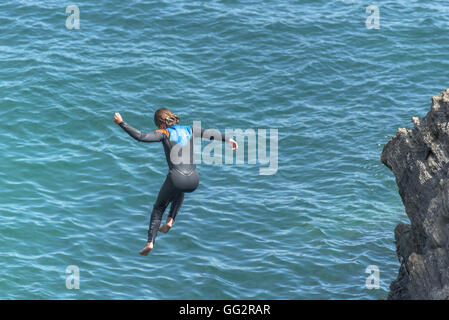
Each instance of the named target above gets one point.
<point>77,190</point>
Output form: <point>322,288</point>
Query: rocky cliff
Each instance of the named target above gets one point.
<point>419,159</point>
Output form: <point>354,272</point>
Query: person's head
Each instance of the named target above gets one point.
<point>164,118</point>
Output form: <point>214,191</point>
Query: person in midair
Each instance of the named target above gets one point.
<point>182,176</point>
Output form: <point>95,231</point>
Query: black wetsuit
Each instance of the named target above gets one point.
<point>183,174</point>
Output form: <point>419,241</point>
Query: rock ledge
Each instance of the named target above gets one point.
<point>419,159</point>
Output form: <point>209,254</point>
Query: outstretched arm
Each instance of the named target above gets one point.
<point>137,134</point>
<point>201,134</point>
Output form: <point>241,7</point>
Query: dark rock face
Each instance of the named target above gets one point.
<point>419,159</point>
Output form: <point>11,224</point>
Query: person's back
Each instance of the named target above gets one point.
<point>178,147</point>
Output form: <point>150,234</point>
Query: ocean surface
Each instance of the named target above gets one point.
<point>76,190</point>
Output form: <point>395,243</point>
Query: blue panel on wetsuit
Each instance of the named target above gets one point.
<point>180,134</point>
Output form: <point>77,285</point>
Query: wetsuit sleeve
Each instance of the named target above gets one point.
<point>200,133</point>
<point>141,136</point>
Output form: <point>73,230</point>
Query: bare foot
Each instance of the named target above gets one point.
<point>165,227</point>
<point>147,249</point>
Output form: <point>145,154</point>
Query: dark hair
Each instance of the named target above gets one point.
<point>165,116</point>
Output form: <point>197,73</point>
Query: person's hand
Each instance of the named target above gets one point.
<point>118,118</point>
<point>233,144</point>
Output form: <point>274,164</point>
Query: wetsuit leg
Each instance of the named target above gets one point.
<point>163,199</point>
<point>176,205</point>
<point>172,190</point>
